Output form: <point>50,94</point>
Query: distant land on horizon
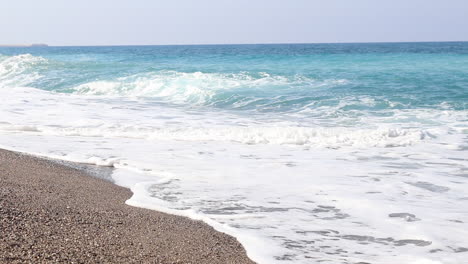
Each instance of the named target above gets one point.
<point>24,45</point>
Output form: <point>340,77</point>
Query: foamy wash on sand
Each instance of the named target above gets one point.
<point>306,153</point>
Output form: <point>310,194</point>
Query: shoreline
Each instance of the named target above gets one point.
<point>53,212</point>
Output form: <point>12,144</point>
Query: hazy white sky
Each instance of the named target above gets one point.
<point>128,22</point>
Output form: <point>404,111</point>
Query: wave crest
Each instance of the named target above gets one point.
<point>198,87</point>
<point>19,70</point>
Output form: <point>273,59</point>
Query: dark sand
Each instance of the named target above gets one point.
<point>53,213</point>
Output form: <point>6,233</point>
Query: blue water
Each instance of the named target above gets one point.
<point>413,74</point>
<point>337,153</point>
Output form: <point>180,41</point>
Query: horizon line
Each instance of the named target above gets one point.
<point>44,45</point>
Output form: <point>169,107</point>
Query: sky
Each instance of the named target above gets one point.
<point>153,22</point>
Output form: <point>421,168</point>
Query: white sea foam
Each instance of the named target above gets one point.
<point>17,70</point>
<point>311,137</point>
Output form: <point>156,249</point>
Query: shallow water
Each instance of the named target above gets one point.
<point>333,153</point>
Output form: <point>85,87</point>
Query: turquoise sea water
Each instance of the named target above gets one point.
<point>337,153</point>
<point>276,77</point>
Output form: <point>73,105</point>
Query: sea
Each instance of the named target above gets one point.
<point>306,153</point>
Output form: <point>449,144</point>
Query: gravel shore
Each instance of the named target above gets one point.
<point>53,213</point>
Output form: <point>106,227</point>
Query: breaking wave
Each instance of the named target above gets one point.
<point>19,70</point>
<point>232,90</point>
<point>201,88</point>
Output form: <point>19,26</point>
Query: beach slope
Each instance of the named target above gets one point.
<point>50,212</point>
